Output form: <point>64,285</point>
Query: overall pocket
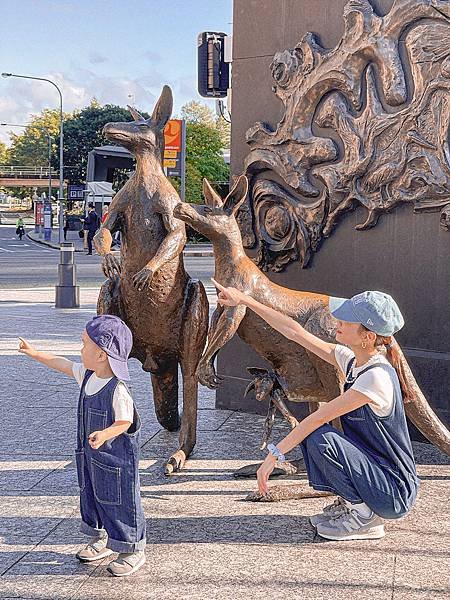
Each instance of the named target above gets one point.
<point>96,420</point>
<point>79,459</point>
<point>106,483</point>
<point>356,415</point>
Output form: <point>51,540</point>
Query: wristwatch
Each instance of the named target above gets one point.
<point>273,450</point>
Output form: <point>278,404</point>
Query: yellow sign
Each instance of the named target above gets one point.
<point>170,164</point>
<point>170,153</point>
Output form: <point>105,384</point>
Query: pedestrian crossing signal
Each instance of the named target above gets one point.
<point>213,71</point>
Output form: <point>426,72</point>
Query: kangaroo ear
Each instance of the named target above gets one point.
<point>163,108</point>
<point>134,113</point>
<point>237,195</point>
<point>212,197</point>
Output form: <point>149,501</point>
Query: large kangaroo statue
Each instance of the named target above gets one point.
<point>305,377</point>
<point>149,289</point>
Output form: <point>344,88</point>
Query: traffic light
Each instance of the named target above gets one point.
<point>213,71</point>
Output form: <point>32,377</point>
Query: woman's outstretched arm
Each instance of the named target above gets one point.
<point>285,325</point>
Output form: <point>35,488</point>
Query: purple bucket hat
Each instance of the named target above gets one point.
<point>114,337</point>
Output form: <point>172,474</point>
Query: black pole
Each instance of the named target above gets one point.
<point>67,291</point>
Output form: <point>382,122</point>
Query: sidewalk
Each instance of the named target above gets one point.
<point>72,236</point>
<point>204,542</point>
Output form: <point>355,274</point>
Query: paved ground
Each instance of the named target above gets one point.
<point>204,541</point>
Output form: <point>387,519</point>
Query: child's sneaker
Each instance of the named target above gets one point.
<point>126,563</point>
<point>338,507</point>
<point>95,550</point>
<point>352,526</point>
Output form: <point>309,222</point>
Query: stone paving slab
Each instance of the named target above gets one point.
<point>204,541</point>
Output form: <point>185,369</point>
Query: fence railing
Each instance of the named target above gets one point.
<point>26,171</point>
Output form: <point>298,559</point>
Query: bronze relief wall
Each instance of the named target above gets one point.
<point>365,124</point>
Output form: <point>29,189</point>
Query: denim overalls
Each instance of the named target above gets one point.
<point>371,461</point>
<point>110,502</point>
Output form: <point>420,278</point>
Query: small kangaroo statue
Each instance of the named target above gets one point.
<point>149,289</point>
<point>304,376</point>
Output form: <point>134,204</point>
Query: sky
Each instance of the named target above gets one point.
<point>107,49</point>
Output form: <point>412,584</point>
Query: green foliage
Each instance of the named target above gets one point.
<point>4,154</point>
<point>197,112</point>
<point>30,146</point>
<point>205,139</point>
<point>206,136</point>
<point>83,132</point>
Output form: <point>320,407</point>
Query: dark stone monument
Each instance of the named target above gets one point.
<point>348,163</point>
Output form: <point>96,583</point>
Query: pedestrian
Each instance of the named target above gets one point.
<point>66,227</point>
<point>91,224</point>
<point>370,464</point>
<point>20,228</point>
<point>105,213</point>
<point>107,454</point>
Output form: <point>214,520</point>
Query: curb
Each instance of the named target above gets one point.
<point>49,244</point>
<point>188,251</point>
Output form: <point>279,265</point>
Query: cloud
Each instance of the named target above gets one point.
<point>96,58</point>
<point>151,56</point>
<point>20,99</point>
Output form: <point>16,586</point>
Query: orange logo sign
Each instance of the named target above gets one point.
<point>172,135</point>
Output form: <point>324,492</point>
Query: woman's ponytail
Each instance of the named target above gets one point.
<point>394,357</point>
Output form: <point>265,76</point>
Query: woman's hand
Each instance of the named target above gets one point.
<point>263,474</point>
<point>26,348</point>
<point>229,296</point>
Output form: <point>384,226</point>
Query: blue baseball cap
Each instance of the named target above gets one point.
<point>114,337</point>
<point>377,311</point>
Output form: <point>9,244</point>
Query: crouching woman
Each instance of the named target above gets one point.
<point>370,464</point>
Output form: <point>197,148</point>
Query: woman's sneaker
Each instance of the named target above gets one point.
<point>95,550</point>
<point>352,526</point>
<point>338,507</point>
<point>126,563</point>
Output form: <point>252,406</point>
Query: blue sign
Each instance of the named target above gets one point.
<point>47,221</point>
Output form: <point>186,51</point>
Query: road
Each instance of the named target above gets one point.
<point>28,264</point>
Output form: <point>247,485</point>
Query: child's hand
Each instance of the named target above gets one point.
<point>96,439</point>
<point>26,348</point>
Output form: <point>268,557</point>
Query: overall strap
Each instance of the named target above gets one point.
<point>349,367</point>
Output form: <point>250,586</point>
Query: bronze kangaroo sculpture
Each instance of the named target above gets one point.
<point>149,289</point>
<point>305,377</point>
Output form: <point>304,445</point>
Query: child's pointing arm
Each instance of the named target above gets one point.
<point>58,363</point>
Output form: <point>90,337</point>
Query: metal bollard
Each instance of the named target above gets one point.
<point>67,291</point>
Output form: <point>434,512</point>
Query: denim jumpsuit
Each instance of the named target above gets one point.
<point>110,502</point>
<point>371,461</point>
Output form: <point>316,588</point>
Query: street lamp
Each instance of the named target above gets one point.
<point>61,139</point>
<point>49,138</point>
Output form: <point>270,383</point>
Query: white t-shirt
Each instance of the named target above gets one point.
<point>122,402</point>
<point>376,384</point>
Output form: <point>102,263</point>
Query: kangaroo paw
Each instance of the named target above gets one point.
<point>175,462</point>
<point>207,376</point>
<point>277,493</point>
<point>286,468</point>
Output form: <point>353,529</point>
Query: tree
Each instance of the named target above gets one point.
<point>203,159</point>
<point>83,132</point>
<point>4,154</point>
<point>197,112</point>
<point>224,129</point>
<point>30,146</point>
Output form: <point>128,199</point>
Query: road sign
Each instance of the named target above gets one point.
<point>173,135</point>
<point>47,221</point>
<point>170,153</point>
<point>175,151</point>
<point>75,192</point>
